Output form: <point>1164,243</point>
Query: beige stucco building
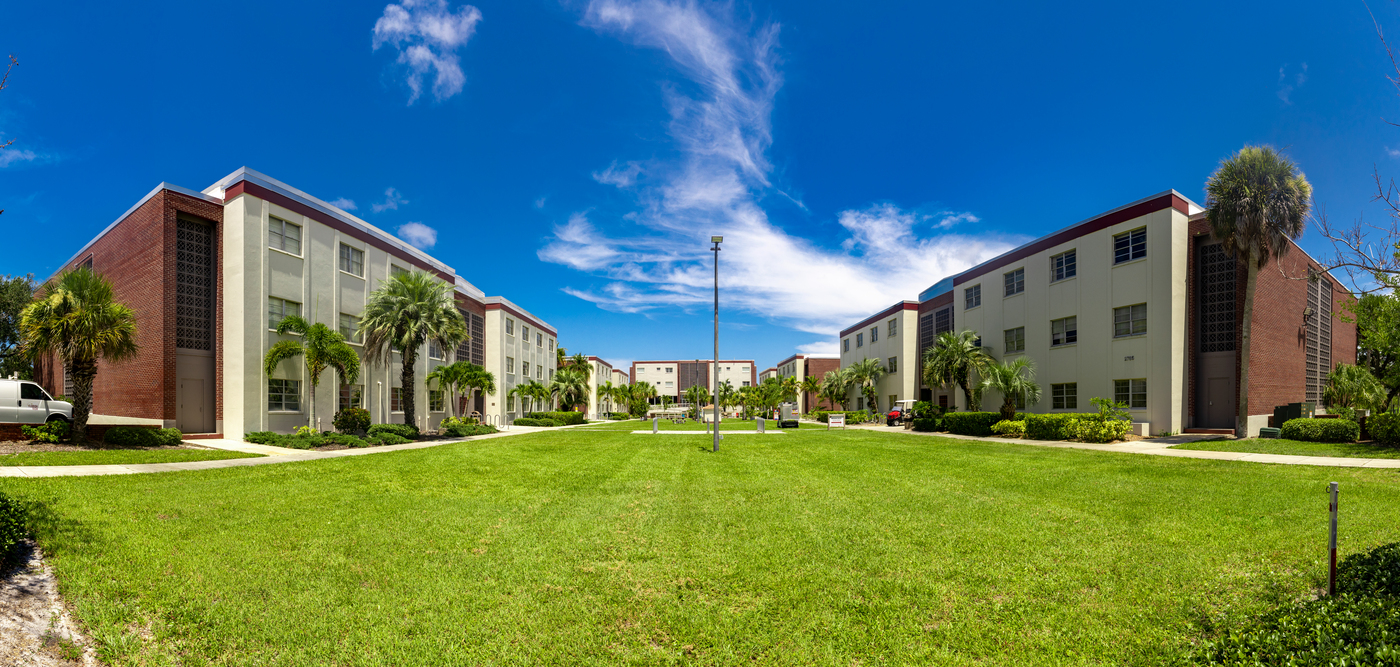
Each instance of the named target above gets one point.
<point>890,337</point>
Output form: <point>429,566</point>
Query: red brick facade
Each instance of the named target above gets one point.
<point>138,255</point>
<point>818,368</point>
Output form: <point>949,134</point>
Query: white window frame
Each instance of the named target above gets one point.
<point>894,366</point>
<point>1131,320</point>
<point>281,233</point>
<point>353,335</point>
<point>1064,396</point>
<point>1131,389</point>
<point>1008,339</point>
<point>894,328</point>
<point>1129,237</point>
<point>1064,331</point>
<point>282,304</point>
<point>1064,266</point>
<point>1013,282</point>
<point>971,294</point>
<point>350,257</point>
<point>284,384</point>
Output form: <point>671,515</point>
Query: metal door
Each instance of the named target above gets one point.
<point>189,415</point>
<point>1220,403</point>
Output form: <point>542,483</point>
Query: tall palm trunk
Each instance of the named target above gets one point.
<point>83,373</point>
<point>410,415</point>
<point>965,385</point>
<point>1251,278</point>
<point>311,409</point>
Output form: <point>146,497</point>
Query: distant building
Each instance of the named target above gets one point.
<point>672,378</point>
<point>890,337</point>
<point>767,373</point>
<point>802,366</point>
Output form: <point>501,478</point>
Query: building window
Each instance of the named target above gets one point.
<point>434,350</point>
<point>284,236</point>
<point>641,369</point>
<point>1064,396</point>
<point>669,369</point>
<point>525,368</point>
<point>352,260</point>
<point>846,345</point>
<point>436,402</point>
<point>539,340</point>
<point>894,365</point>
<point>874,334</point>
<point>1015,282</point>
<point>1064,331</point>
<point>972,297</point>
<point>551,345</point>
<point>670,383</point>
<point>860,341</point>
<point>284,396</point>
<point>280,309</point>
<point>350,327</point>
<point>396,271</point>
<point>942,321</point>
<point>525,334</point>
<point>352,396</point>
<point>1129,246</point>
<point>1130,320</point>
<point>510,404</point>
<point>396,399</point>
<point>510,327</point>
<point>1062,266</point>
<point>539,372</point>
<point>1132,392</point>
<point>894,328</point>
<point>510,364</point>
<point>745,383</point>
<point>1016,340</point>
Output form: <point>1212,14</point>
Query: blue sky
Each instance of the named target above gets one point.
<point>574,156</point>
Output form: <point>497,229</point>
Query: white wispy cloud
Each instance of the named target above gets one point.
<point>539,203</point>
<point>659,257</point>
<point>418,234</point>
<point>343,204</point>
<point>11,156</point>
<point>621,176</point>
<point>427,34</point>
<point>1286,87</point>
<point>820,347</point>
<point>392,200</point>
<point>1392,152</point>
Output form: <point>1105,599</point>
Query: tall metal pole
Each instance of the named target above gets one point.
<point>716,240</point>
<point>1332,539</point>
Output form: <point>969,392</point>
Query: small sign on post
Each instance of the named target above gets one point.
<point>835,419</point>
<point>1332,540</point>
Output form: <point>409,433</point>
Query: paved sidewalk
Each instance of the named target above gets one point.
<point>271,455</point>
<point>1163,447</point>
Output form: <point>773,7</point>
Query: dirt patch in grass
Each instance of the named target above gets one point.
<point>35,626</point>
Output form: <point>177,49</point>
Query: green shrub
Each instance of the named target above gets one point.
<point>852,416</point>
<point>342,439</point>
<point>138,436</point>
<point>1059,426</point>
<point>928,424</point>
<point>619,416</point>
<point>53,432</point>
<point>408,431</point>
<point>972,423</point>
<point>564,418</point>
<point>1321,430</point>
<point>1358,626</point>
<point>460,428</point>
<point>12,528</point>
<point>1385,428</point>
<point>351,420</point>
<point>261,437</point>
<point>386,438</point>
<point>1010,428</point>
<point>529,421</point>
<point>1110,423</point>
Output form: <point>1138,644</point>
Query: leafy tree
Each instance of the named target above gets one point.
<point>604,396</point>
<point>461,377</point>
<point>727,395</point>
<point>811,385</point>
<point>16,292</point>
<point>570,386</point>
<point>1012,379</point>
<point>952,360</point>
<point>321,347</point>
<point>864,374</point>
<point>1354,387</point>
<point>1256,202</point>
<point>697,396</point>
<point>77,317</point>
<point>478,380</point>
<point>402,315</point>
<point>835,387</point>
<point>1377,318</point>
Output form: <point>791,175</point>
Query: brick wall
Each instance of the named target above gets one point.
<point>818,368</point>
<point>138,256</point>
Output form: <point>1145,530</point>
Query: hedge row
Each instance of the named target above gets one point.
<point>1059,426</point>
<point>852,416</point>
<point>973,423</point>
<point>136,436</point>
<point>1321,430</point>
<point>314,440</point>
<point>530,421</point>
<point>565,418</point>
<point>1385,428</point>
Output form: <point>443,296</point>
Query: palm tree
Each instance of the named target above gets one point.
<point>561,359</point>
<point>1350,386</point>
<point>460,377</point>
<point>403,314</point>
<point>521,393</point>
<point>78,318</point>
<point>570,386</point>
<point>478,379</point>
<point>1256,203</point>
<point>952,360</point>
<point>810,385</point>
<point>697,395</point>
<point>835,385</point>
<point>604,394</point>
<point>579,360</point>
<point>322,348</point>
<point>866,373</point>
<point>640,391</point>
<point>1013,379</point>
<point>727,395</point>
<point>790,386</point>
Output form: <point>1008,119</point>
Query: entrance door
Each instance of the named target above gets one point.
<point>190,414</point>
<point>1220,402</point>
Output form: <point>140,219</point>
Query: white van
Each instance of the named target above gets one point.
<point>23,402</point>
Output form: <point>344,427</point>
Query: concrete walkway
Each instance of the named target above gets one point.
<point>270,455</point>
<point>1164,447</point>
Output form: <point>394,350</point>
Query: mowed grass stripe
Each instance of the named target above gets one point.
<point>578,547</point>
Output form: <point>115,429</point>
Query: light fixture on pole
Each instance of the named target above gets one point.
<point>716,240</point>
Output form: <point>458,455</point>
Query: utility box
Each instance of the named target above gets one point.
<point>1283,413</point>
<point>787,412</point>
<point>1268,432</point>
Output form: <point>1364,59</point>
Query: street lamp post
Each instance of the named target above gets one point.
<point>716,240</point>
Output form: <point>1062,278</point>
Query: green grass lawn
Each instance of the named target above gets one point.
<point>1296,447</point>
<point>724,425</point>
<point>118,457</point>
<point>593,547</point>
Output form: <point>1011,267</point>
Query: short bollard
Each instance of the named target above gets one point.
<point>654,421</point>
<point>760,424</point>
<point>1332,539</point>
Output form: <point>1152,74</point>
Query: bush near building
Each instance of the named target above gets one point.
<point>462,428</point>
<point>1385,428</point>
<point>12,528</point>
<point>530,421</point>
<point>564,418</point>
<point>137,436</point>
<point>973,423</point>
<point>406,431</point>
<point>1321,430</point>
<point>1010,428</point>
<point>352,420</point>
<point>928,424</point>
<point>53,432</point>
<point>852,416</point>
<point>1058,426</point>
